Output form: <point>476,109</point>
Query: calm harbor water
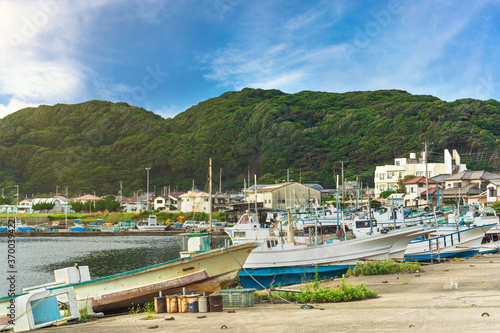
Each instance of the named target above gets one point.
<point>38,257</point>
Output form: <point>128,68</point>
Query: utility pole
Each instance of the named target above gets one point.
<point>255,180</point>
<point>357,193</point>
<point>121,190</point>
<point>343,187</point>
<point>57,191</point>
<point>147,189</point>
<point>287,176</point>
<point>17,195</point>
<point>426,177</point>
<point>66,191</point>
<point>220,180</point>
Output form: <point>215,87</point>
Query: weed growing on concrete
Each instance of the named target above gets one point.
<point>345,292</point>
<point>133,311</point>
<point>380,267</point>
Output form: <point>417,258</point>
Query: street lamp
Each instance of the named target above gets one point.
<point>147,189</point>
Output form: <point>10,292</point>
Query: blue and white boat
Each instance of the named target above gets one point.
<point>279,262</point>
<point>460,243</point>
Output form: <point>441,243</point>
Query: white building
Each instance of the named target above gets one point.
<point>167,203</point>
<point>195,201</point>
<point>493,191</point>
<point>387,176</point>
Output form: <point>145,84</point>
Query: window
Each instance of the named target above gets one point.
<point>492,192</point>
<point>281,201</point>
<point>419,173</point>
<point>390,174</point>
<point>457,185</point>
<point>381,176</point>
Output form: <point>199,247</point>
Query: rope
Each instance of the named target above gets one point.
<point>303,306</point>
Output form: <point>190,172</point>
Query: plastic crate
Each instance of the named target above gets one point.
<point>232,298</point>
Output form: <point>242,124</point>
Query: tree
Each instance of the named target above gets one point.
<point>5,200</point>
<point>496,206</point>
<point>387,193</point>
<point>401,181</point>
<point>43,206</point>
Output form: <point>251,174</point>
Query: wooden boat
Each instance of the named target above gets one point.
<point>202,271</point>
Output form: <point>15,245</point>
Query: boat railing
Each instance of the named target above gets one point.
<point>445,240</point>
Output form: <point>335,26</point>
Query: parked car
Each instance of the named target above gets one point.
<point>190,224</point>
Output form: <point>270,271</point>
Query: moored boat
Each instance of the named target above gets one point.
<point>456,244</point>
<point>275,262</point>
<point>151,225</point>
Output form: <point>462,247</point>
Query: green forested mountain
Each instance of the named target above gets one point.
<point>94,145</point>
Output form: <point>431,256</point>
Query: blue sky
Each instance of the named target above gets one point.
<point>167,55</point>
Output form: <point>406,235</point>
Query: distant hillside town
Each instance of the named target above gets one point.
<point>409,182</point>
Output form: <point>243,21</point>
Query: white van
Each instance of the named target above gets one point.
<point>190,224</point>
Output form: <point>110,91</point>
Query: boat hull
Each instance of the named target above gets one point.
<point>289,263</point>
<point>283,276</point>
<point>460,244</point>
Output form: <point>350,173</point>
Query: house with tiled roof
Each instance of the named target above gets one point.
<point>414,189</point>
<point>195,201</point>
<point>86,198</point>
<point>467,183</point>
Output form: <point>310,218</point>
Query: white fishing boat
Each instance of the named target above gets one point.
<point>276,262</point>
<point>151,225</point>
<point>459,243</point>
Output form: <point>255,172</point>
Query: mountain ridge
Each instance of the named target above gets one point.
<point>92,146</point>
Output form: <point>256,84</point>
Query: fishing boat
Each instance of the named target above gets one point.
<point>197,272</point>
<point>151,225</point>
<point>276,262</point>
<point>460,243</point>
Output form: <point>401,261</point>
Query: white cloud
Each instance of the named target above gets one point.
<point>12,106</point>
<point>424,47</point>
<point>170,111</point>
<point>41,50</point>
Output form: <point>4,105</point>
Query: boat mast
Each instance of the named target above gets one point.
<point>210,194</point>
<point>256,212</point>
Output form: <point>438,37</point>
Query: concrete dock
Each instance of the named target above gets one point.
<point>419,302</point>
